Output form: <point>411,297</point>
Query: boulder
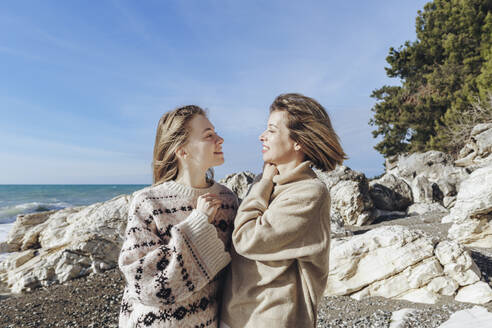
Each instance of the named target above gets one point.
<point>477,293</point>
<point>337,226</point>
<point>476,317</point>
<point>396,262</point>
<point>349,192</point>
<point>56,246</point>
<point>431,176</point>
<point>472,213</point>
<point>390,193</point>
<point>478,151</point>
<point>239,183</point>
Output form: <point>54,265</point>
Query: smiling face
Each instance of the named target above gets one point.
<point>278,147</point>
<point>203,148</point>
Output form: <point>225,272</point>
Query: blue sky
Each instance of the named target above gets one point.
<point>83,83</point>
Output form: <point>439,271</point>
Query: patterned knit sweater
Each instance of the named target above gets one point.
<point>172,257</point>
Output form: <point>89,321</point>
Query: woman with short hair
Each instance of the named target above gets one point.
<point>281,232</point>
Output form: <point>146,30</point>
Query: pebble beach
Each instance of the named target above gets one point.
<point>94,300</point>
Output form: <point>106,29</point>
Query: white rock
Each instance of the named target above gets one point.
<point>16,260</point>
<point>420,295</point>
<point>390,193</point>
<point>347,200</point>
<point>474,198</point>
<point>398,318</point>
<point>476,317</point>
<point>471,213</point>
<point>449,201</point>
<point>431,175</point>
<point>399,263</point>
<point>478,151</point>
<point>68,243</point>
<point>478,293</point>
<point>472,232</point>
<point>349,193</point>
<point>422,190</point>
<point>457,263</point>
<point>239,183</point>
<point>376,255</point>
<point>409,279</point>
<point>443,285</point>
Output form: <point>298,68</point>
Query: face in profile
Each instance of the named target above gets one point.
<point>278,147</point>
<point>204,145</point>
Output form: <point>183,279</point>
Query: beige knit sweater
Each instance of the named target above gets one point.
<point>279,266</point>
<point>172,256</point>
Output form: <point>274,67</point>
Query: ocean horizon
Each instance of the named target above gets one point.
<point>16,199</point>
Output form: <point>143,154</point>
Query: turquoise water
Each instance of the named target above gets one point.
<point>22,199</point>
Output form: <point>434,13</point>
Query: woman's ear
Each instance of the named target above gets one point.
<point>181,153</point>
<point>297,147</point>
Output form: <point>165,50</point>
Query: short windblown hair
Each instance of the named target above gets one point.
<point>310,126</point>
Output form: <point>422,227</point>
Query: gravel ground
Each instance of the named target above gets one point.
<point>94,301</point>
<point>375,312</point>
<point>91,301</point>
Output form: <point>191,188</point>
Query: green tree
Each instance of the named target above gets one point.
<point>441,74</point>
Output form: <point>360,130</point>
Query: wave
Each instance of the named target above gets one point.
<point>9,213</point>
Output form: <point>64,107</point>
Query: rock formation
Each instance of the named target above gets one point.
<point>349,193</point>
<point>56,246</point>
<point>400,263</point>
<point>239,183</point>
<point>472,213</point>
<point>431,176</point>
<point>478,151</point>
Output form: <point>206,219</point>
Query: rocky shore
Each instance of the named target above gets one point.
<point>93,301</point>
<point>409,248</point>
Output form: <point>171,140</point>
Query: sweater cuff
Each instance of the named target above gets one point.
<point>262,190</point>
<point>205,241</point>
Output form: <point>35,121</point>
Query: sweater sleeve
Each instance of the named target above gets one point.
<point>164,267</point>
<point>290,227</point>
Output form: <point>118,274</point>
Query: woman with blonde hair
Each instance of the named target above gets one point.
<point>178,232</point>
<point>281,232</point>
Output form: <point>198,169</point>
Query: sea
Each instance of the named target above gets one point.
<point>23,199</point>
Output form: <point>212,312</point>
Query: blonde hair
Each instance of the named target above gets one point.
<point>172,132</point>
<point>310,126</point>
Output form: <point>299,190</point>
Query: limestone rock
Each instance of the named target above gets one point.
<point>337,226</point>
<point>478,151</point>
<point>390,193</point>
<point>399,263</point>
<point>374,256</point>
<point>399,318</point>
<point>457,263</point>
<point>472,212</point>
<point>443,285</point>
<point>478,293</point>
<point>413,277</point>
<point>239,183</point>
<point>56,246</point>
<point>420,295</point>
<point>476,317</point>
<point>349,192</point>
<point>432,176</point>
